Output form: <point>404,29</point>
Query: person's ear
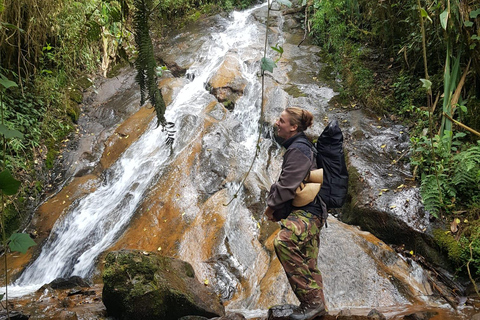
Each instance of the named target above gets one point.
<point>294,127</point>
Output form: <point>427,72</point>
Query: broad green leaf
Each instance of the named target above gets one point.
<point>474,14</point>
<point>6,83</point>
<point>268,64</point>
<point>285,3</point>
<point>463,108</point>
<point>8,184</point>
<point>20,242</point>
<point>475,37</point>
<point>304,3</point>
<point>444,19</point>
<point>468,23</point>
<point>427,84</point>
<point>9,133</point>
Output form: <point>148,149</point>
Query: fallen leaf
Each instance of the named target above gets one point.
<point>454,225</point>
<point>393,207</point>
<point>383,146</point>
<point>159,249</point>
<point>205,282</point>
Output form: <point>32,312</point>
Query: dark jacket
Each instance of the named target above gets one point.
<point>298,161</point>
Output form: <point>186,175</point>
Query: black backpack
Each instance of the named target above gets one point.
<point>331,158</point>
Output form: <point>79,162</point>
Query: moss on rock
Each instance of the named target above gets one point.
<point>145,285</point>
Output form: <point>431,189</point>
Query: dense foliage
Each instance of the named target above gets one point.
<point>419,61</point>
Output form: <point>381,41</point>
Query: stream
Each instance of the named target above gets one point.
<point>173,200</point>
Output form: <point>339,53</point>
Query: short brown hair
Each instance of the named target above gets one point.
<point>300,117</point>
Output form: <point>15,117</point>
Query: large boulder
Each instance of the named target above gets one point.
<point>143,285</point>
<point>228,84</point>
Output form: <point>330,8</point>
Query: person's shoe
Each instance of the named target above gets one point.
<point>308,311</point>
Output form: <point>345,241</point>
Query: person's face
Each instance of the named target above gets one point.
<point>284,129</point>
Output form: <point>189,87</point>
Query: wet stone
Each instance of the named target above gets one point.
<point>13,315</point>
<point>420,316</point>
<point>376,315</point>
<point>194,318</point>
<point>68,283</point>
<point>476,316</point>
<point>231,316</point>
<point>281,312</point>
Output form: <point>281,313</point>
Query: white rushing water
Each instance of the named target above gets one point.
<point>96,221</point>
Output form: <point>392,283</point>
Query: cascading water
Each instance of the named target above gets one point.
<point>96,221</point>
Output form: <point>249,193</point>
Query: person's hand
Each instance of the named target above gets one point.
<point>269,213</point>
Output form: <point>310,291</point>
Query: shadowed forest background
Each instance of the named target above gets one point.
<point>414,62</point>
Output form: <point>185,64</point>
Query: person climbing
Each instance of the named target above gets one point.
<point>297,243</point>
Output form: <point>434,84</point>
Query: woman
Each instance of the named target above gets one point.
<point>296,245</point>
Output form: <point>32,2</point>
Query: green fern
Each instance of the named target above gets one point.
<point>467,169</point>
<point>145,63</point>
<point>431,194</point>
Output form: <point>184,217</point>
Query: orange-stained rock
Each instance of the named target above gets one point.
<point>160,223</point>
<point>46,216</point>
<point>170,88</point>
<point>53,208</point>
<point>127,133</point>
<point>227,74</point>
<point>228,82</point>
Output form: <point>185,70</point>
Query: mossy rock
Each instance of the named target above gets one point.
<point>141,285</point>
<point>73,111</point>
<point>84,82</point>
<point>75,95</point>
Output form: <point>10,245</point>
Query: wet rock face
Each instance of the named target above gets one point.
<point>69,283</point>
<point>384,198</point>
<point>227,85</point>
<point>141,285</point>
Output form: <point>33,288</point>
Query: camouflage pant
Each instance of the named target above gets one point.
<point>296,246</point>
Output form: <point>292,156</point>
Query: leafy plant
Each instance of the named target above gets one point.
<point>9,186</point>
<point>447,178</point>
<point>146,65</point>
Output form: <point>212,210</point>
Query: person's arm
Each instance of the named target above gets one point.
<point>295,167</point>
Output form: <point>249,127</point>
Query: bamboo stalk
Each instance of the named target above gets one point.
<point>458,123</point>
<point>458,90</point>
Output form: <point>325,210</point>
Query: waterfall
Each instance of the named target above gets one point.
<point>97,220</point>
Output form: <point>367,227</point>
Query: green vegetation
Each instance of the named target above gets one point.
<point>418,61</point>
